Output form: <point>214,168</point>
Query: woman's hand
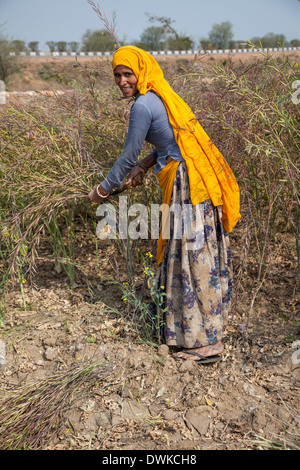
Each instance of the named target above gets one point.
<point>135,176</point>
<point>94,195</point>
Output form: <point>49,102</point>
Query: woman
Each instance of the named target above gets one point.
<point>191,172</point>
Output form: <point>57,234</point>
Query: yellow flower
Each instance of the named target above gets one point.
<point>149,254</point>
<point>125,299</point>
<point>162,287</point>
<point>24,280</point>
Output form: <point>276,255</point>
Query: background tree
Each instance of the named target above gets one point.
<point>270,40</point>
<point>180,43</point>
<point>153,38</point>
<point>97,41</point>
<point>204,43</point>
<point>61,46</point>
<point>73,46</point>
<point>173,40</point>
<point>18,46</point>
<point>8,64</point>
<point>295,42</point>
<point>51,45</point>
<point>5,60</point>
<point>220,35</point>
<point>33,46</point>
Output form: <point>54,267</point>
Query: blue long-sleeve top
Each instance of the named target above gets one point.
<point>149,122</point>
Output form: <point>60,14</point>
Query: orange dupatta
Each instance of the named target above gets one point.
<point>166,180</point>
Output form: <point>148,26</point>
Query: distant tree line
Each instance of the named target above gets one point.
<point>163,36</point>
<point>221,37</point>
<point>160,35</point>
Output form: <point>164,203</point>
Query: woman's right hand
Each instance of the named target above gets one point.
<point>135,176</point>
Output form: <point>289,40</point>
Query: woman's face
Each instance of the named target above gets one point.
<point>126,81</point>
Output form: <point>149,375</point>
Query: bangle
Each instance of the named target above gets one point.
<point>142,166</point>
<point>99,194</point>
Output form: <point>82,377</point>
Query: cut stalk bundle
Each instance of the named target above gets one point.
<point>32,415</point>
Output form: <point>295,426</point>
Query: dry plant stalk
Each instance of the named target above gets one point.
<point>109,26</point>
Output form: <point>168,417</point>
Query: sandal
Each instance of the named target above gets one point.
<point>202,359</point>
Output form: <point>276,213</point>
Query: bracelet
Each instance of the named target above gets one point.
<point>142,166</point>
<point>99,194</point>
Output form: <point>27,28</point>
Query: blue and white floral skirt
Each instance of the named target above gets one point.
<point>196,272</point>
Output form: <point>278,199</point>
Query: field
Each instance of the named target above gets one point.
<point>83,367</point>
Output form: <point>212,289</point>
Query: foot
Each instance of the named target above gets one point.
<point>205,351</point>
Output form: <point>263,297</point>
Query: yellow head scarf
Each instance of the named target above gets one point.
<point>210,176</point>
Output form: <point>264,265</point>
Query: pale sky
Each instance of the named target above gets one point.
<point>68,20</point>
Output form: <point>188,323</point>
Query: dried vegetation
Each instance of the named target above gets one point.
<point>84,367</point>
